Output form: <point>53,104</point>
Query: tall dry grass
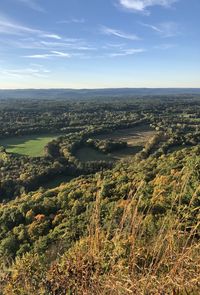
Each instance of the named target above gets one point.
<point>142,255</point>
<point>129,260</point>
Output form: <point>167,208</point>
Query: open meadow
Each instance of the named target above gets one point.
<point>134,136</point>
<point>27,145</point>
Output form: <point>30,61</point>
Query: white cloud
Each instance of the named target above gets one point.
<point>142,5</point>
<point>10,27</point>
<point>61,54</point>
<point>48,45</point>
<point>126,52</point>
<point>114,45</point>
<point>52,36</point>
<point>73,20</point>
<point>166,29</point>
<point>49,55</point>
<point>53,45</point>
<point>34,71</point>
<point>118,33</point>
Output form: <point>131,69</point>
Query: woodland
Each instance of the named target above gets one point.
<point>100,195</point>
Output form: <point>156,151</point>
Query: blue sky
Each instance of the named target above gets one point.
<point>99,43</point>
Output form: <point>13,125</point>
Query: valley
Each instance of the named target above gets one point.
<point>96,179</point>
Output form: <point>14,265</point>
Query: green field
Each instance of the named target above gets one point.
<point>86,154</point>
<point>27,145</point>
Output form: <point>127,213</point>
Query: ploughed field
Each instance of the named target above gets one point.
<point>27,145</point>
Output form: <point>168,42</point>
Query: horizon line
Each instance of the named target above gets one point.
<point>98,88</point>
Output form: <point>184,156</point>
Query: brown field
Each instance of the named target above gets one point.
<point>135,136</point>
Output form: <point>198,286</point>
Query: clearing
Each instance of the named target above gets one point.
<point>86,154</point>
<point>136,137</point>
<point>27,145</point>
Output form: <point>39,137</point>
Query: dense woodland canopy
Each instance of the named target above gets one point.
<point>128,226</point>
<point>175,120</point>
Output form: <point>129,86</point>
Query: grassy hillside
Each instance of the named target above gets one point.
<point>131,230</point>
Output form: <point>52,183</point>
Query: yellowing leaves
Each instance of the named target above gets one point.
<point>161,180</point>
<point>40,217</point>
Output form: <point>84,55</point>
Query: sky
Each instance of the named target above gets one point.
<point>99,43</point>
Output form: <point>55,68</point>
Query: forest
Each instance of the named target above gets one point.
<point>100,195</point>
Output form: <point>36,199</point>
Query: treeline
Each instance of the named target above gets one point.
<point>35,117</point>
<point>106,146</point>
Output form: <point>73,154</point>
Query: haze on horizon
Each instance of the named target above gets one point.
<point>99,44</point>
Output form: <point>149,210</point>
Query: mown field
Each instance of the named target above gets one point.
<point>135,137</point>
<point>86,154</point>
<point>27,145</point>
<point>33,145</point>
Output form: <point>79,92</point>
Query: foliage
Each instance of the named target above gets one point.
<point>129,227</point>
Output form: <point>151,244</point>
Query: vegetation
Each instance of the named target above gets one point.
<point>32,146</point>
<point>131,227</point>
<point>128,226</point>
<point>88,154</point>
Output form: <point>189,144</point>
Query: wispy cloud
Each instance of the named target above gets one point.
<point>10,27</point>
<point>34,71</point>
<point>48,45</point>
<point>71,45</point>
<point>126,52</point>
<point>114,46</point>
<point>165,30</point>
<point>50,49</point>
<point>165,46</point>
<point>52,36</point>
<point>73,20</point>
<point>32,4</point>
<point>49,55</point>
<point>142,5</point>
<point>31,38</point>
<point>118,33</point>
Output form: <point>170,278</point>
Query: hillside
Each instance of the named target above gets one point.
<point>130,230</point>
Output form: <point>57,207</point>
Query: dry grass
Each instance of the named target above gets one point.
<point>129,259</point>
<point>135,136</point>
<point>129,262</point>
<point>166,263</point>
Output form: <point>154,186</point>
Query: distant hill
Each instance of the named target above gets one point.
<point>89,93</point>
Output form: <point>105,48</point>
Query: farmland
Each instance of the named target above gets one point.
<point>28,145</point>
<point>86,154</point>
<point>135,137</point>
